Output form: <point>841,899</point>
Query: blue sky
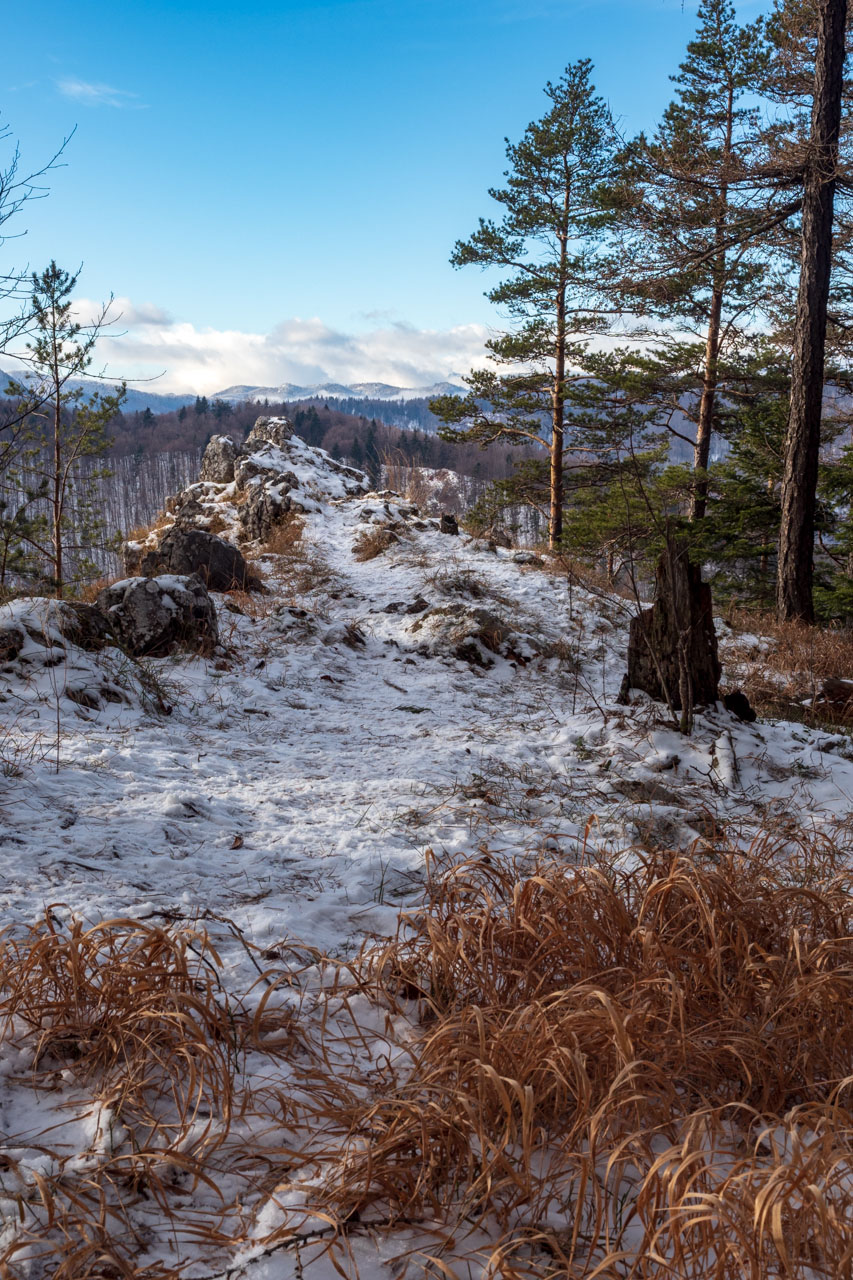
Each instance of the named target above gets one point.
<point>273,188</point>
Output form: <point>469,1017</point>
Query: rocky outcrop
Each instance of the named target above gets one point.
<point>186,549</point>
<point>152,617</point>
<point>217,465</point>
<point>245,492</point>
<point>270,430</point>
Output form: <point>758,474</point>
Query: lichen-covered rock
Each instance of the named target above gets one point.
<point>151,617</point>
<point>264,507</point>
<point>217,465</point>
<point>264,464</point>
<point>270,430</point>
<point>186,549</point>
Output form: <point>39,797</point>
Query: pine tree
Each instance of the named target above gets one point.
<point>819,173</point>
<point>65,424</point>
<point>695,223</point>
<point>548,245</point>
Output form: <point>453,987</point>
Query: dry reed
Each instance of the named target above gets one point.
<point>640,1072</point>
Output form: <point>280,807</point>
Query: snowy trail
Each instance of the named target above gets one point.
<point>297,785</point>
<point>333,768</point>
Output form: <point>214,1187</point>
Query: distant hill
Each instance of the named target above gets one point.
<point>138,399</point>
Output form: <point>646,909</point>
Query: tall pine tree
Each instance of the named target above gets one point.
<point>547,245</point>
<point>695,221</point>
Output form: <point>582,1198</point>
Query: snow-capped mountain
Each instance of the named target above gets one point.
<point>338,391</point>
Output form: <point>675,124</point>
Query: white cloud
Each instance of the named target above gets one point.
<point>147,342</point>
<point>97,95</point>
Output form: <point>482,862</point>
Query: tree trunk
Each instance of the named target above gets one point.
<point>672,647</point>
<point>802,446</point>
<point>705,425</point>
<point>555,524</point>
<point>704,428</point>
<point>57,488</point>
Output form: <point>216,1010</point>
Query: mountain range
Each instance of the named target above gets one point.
<point>338,391</point>
<point>139,399</point>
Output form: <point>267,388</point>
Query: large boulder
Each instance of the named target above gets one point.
<point>185,549</point>
<point>270,431</point>
<point>151,617</point>
<point>217,465</point>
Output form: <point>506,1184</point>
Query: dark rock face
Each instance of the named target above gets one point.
<point>672,647</point>
<point>217,465</point>
<point>270,430</point>
<point>151,617</point>
<point>184,549</point>
<point>448,523</point>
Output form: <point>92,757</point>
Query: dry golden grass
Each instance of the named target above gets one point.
<point>88,592</point>
<point>793,666</point>
<point>130,1005</point>
<point>643,1073</point>
<point>639,1072</point>
<point>286,538</point>
<point>373,542</point>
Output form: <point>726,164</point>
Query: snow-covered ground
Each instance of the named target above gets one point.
<point>437,699</point>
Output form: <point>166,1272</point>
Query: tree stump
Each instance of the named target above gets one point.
<point>672,647</point>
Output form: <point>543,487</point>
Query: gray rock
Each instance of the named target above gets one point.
<point>151,617</point>
<point>270,430</point>
<point>217,465</point>
<point>263,508</point>
<point>184,549</point>
<point>528,558</point>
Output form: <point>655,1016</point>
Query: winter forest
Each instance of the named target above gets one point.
<point>426,746</point>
